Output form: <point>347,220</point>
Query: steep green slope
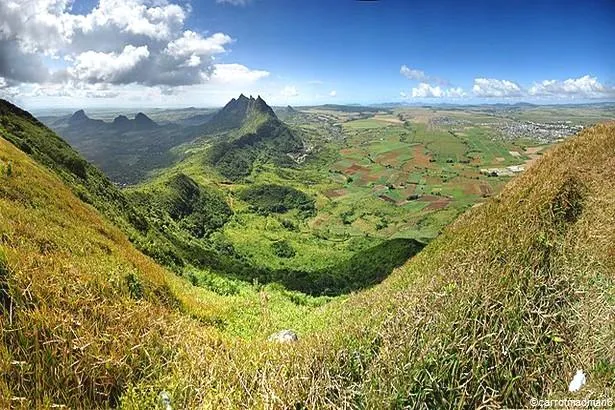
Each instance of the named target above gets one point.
<point>81,309</point>
<point>88,183</point>
<point>255,134</point>
<point>84,315</point>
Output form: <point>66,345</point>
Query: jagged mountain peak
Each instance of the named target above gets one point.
<point>79,115</point>
<point>142,120</point>
<point>120,119</point>
<point>238,111</point>
<point>142,117</point>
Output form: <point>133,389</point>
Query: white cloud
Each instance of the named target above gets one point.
<point>3,82</point>
<point>93,66</point>
<point>36,25</point>
<point>582,87</point>
<point>289,91</point>
<point>157,20</point>
<point>47,26</point>
<point>333,93</point>
<point>456,92</point>
<point>419,75</point>
<point>192,61</point>
<point>403,95</point>
<point>491,87</point>
<point>91,48</point>
<point>413,74</point>
<point>424,90</point>
<point>193,44</point>
<point>236,74</point>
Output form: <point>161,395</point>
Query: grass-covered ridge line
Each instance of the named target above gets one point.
<point>36,140</point>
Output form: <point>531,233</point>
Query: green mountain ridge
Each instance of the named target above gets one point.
<point>237,112</point>
<point>254,133</point>
<point>89,184</point>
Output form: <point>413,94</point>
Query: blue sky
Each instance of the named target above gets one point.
<point>343,51</point>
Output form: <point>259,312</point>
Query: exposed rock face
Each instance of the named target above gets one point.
<point>238,111</point>
<point>284,336</point>
<point>165,400</point>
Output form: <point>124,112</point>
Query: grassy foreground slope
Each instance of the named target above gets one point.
<point>504,306</point>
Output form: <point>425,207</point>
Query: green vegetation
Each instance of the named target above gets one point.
<point>261,137</point>
<point>87,182</point>
<point>267,199</point>
<point>283,249</point>
<point>503,307</point>
<point>304,203</point>
<point>197,210</point>
<point>127,150</point>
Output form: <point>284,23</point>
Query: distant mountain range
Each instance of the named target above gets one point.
<point>121,123</point>
<point>125,149</point>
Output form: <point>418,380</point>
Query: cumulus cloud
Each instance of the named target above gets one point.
<point>47,25</point>
<point>236,73</point>
<point>192,61</point>
<point>289,91</point>
<point>17,66</point>
<point>419,75</point>
<point>424,90</point>
<point>333,93</point>
<point>93,66</point>
<point>157,20</point>
<point>193,44</point>
<point>412,74</point>
<point>118,42</point>
<point>582,87</point>
<point>455,92</point>
<point>491,87</point>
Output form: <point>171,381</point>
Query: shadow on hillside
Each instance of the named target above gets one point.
<point>362,270</point>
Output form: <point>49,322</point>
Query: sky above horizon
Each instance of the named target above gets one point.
<point>179,53</point>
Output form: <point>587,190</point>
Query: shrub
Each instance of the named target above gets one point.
<point>271,198</point>
<point>283,249</point>
<point>135,288</point>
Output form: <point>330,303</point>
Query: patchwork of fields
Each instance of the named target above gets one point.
<point>384,179</point>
